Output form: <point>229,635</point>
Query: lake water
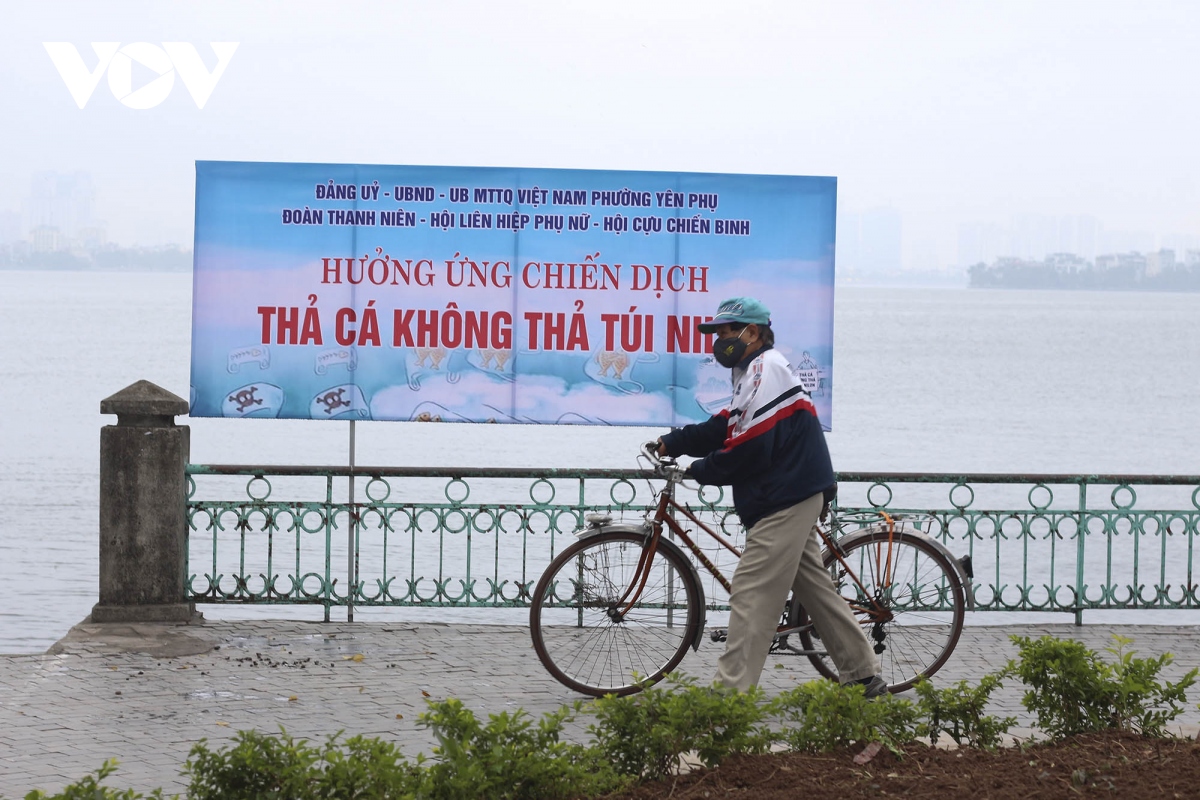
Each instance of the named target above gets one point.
<point>926,380</point>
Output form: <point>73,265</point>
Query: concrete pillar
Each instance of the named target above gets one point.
<point>143,515</point>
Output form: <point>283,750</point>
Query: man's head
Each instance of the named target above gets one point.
<point>742,326</point>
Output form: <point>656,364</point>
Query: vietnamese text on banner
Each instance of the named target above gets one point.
<point>326,291</point>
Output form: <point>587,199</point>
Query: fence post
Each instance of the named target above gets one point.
<point>143,513</point>
<point>1081,536</point>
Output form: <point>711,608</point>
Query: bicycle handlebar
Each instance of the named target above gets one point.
<point>663,466</point>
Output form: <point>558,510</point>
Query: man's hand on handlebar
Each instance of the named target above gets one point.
<point>664,465</point>
<point>656,449</point>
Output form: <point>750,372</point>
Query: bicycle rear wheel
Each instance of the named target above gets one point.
<point>579,631</point>
<point>917,615</point>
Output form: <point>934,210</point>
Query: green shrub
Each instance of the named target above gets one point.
<point>509,757</point>
<point>258,765</point>
<point>957,711</point>
<point>89,788</point>
<point>265,766</point>
<point>1072,690</point>
<point>644,735</point>
<point>822,715</point>
<point>366,768</point>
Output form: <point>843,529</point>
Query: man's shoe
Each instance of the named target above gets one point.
<point>874,686</point>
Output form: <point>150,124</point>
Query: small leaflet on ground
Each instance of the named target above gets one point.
<point>869,752</point>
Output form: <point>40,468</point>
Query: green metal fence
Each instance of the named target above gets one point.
<point>463,537</point>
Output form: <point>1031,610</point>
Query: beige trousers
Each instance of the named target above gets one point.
<point>782,553</point>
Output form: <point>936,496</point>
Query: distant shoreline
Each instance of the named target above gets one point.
<point>92,268</point>
<point>99,259</point>
<point>1131,272</point>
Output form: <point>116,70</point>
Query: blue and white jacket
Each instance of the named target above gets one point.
<point>768,444</point>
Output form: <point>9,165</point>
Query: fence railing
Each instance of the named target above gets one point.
<point>469,537</point>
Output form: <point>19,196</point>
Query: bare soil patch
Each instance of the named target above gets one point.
<point>1112,764</point>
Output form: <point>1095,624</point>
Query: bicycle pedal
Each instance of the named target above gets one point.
<point>719,634</point>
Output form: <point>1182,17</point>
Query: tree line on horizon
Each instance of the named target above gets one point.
<point>167,257</point>
<point>1058,272</point>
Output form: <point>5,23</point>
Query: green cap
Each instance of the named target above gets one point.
<point>746,310</point>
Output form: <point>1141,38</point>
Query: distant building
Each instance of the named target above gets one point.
<point>1126,242</point>
<point>1159,262</point>
<point>92,237</point>
<point>47,239</point>
<point>1180,243</point>
<point>1087,237</point>
<point>61,201</point>
<point>1066,262</point>
<point>981,242</point>
<point>1134,264</point>
<point>1034,237</point>
<point>1027,236</point>
<point>1156,271</point>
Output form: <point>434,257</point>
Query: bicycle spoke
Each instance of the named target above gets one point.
<point>908,599</point>
<point>601,651</point>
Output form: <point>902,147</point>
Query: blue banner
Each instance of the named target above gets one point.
<point>327,291</point>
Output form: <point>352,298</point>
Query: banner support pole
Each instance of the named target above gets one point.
<point>351,554</point>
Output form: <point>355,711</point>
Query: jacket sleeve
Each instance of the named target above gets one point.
<point>699,439</point>
<point>739,459</point>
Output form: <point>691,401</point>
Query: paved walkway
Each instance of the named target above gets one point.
<point>145,694</point>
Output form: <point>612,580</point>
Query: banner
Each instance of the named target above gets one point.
<point>326,291</point>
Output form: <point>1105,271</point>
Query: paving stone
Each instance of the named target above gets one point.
<point>61,715</point>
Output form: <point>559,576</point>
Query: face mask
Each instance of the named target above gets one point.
<point>729,351</point>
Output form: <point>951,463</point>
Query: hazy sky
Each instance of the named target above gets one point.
<point>948,111</point>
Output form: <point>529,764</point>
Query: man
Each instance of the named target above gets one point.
<point>769,445</point>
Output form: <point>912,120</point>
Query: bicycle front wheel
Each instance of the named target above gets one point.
<point>908,598</point>
<point>586,634</point>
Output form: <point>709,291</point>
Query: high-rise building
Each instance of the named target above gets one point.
<point>92,237</point>
<point>1027,237</point>
<point>1115,241</point>
<point>1159,262</point>
<point>1087,237</point>
<point>981,242</point>
<point>1180,242</point>
<point>1035,235</point>
<point>47,239</point>
<point>61,201</point>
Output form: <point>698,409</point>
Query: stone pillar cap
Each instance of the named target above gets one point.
<point>144,399</point>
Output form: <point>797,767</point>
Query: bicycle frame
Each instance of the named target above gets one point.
<point>665,513</point>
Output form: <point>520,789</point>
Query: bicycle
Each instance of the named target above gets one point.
<point>617,610</point>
